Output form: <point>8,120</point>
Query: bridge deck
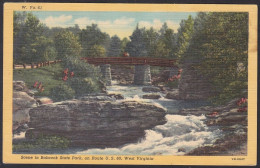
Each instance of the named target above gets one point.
<point>131,61</point>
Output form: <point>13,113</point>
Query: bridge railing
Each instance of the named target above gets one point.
<point>35,65</point>
<point>131,61</point>
<point>108,60</point>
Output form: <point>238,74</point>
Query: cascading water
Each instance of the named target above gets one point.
<point>179,135</point>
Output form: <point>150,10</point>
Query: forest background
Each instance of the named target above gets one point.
<point>214,43</point>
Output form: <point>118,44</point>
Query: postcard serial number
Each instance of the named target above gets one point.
<point>238,158</point>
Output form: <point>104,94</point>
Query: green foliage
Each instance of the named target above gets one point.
<point>19,21</point>
<point>124,43</point>
<point>92,36</point>
<point>66,43</point>
<point>151,43</point>
<point>61,92</point>
<point>81,68</point>
<point>50,77</point>
<point>233,90</point>
<point>43,142</point>
<point>23,146</point>
<point>83,86</point>
<point>86,78</point>
<point>96,51</point>
<point>137,46</point>
<point>50,142</point>
<point>218,48</point>
<point>156,70</point>
<point>162,44</point>
<point>168,38</point>
<point>115,47</point>
<point>183,36</point>
<point>75,30</point>
<point>30,44</point>
<point>173,84</point>
<point>160,50</point>
<point>50,53</point>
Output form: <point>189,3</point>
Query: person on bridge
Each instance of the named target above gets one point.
<point>126,54</point>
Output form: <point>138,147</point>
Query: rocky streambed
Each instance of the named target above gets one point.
<point>133,120</point>
<point>233,124</point>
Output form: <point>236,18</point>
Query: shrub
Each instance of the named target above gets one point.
<point>62,92</point>
<point>233,90</point>
<point>83,86</point>
<point>43,142</point>
<point>81,68</point>
<point>52,142</point>
<point>173,84</point>
<point>86,77</point>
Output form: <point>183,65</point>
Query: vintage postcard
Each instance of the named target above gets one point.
<point>135,84</point>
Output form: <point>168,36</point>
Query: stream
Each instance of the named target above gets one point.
<point>179,135</point>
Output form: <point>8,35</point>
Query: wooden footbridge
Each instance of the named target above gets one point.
<point>131,61</point>
<point>142,75</point>
<point>109,60</point>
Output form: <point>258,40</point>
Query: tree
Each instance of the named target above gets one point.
<point>168,38</point>
<point>75,30</point>
<point>115,47</point>
<point>124,43</point>
<point>66,43</point>
<point>183,36</point>
<point>96,51</point>
<point>219,44</point>
<point>92,36</point>
<point>29,42</point>
<point>18,30</point>
<point>163,29</point>
<point>19,22</point>
<point>151,40</point>
<point>45,48</point>
<point>159,50</point>
<point>137,46</point>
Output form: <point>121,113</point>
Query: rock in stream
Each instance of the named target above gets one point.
<point>95,123</point>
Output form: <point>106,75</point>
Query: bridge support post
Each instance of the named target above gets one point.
<point>106,73</point>
<point>142,75</point>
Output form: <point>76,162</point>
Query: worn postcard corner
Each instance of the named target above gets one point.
<point>135,84</point>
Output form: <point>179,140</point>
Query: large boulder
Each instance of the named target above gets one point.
<point>23,101</point>
<point>151,89</point>
<point>174,94</point>
<point>96,98</point>
<point>44,100</point>
<point>151,96</point>
<point>20,86</point>
<point>95,123</point>
<point>117,96</point>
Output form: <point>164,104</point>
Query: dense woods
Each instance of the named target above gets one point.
<point>218,48</point>
<point>214,43</point>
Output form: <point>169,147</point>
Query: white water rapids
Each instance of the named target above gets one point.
<point>178,136</point>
